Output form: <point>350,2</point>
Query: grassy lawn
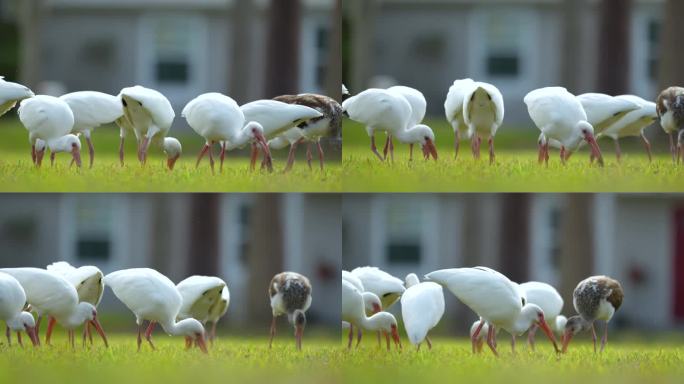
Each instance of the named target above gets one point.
<point>234,359</point>
<point>17,173</point>
<point>516,167</point>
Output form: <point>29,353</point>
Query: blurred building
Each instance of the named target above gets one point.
<point>181,48</point>
<point>115,231</point>
<point>638,239</point>
<point>516,45</point>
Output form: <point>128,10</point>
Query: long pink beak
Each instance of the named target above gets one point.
<point>201,344</point>
<point>299,333</point>
<point>595,150</point>
<point>264,147</point>
<point>77,156</point>
<point>549,334</point>
<point>567,336</point>
<point>395,337</point>
<point>429,149</point>
<point>171,162</point>
<point>101,331</point>
<point>31,332</point>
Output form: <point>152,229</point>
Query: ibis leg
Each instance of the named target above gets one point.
<point>374,148</point>
<point>530,336</point>
<point>490,340</point>
<point>206,148</point>
<point>72,341</point>
<point>647,144</point>
<point>253,157</point>
<point>359,335</point>
<point>429,343</point>
<point>121,150</point>
<point>91,149</point>
<point>411,152</point>
<point>351,335</point>
<point>308,155</point>
<point>8,333</point>
<point>391,147</point>
<point>672,147</point>
<point>273,332</point>
<point>291,155</point>
<point>385,149</point>
<point>491,150</point>
<point>21,343</point>
<point>320,154</point>
<point>53,154</point>
<point>51,325</point>
<point>33,153</point>
<point>148,333</point>
<point>475,337</point>
<point>513,344</point>
<point>140,331</point>
<point>593,336</point>
<point>222,156</point>
<point>618,151</point>
<point>604,339</point>
<point>457,142</point>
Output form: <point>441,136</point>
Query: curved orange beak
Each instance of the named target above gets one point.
<point>595,150</point>
<point>565,339</point>
<point>199,340</point>
<point>395,337</point>
<point>429,149</point>
<point>299,333</point>
<point>261,140</point>
<point>542,324</point>
<point>31,332</point>
<point>171,162</point>
<point>99,329</point>
<point>39,157</point>
<point>76,153</point>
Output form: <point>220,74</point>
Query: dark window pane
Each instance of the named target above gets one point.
<point>503,65</point>
<point>172,71</point>
<point>403,253</point>
<point>322,38</point>
<point>97,249</point>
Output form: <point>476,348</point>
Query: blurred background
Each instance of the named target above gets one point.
<point>609,46</point>
<point>247,49</point>
<point>243,238</point>
<point>559,239</point>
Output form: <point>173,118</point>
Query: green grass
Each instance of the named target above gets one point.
<point>238,359</point>
<point>516,168</point>
<point>17,173</point>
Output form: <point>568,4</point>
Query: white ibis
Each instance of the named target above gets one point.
<point>495,299</point>
<point>12,301</point>
<point>560,116</point>
<point>483,113</point>
<point>383,110</point>
<point>201,295</point>
<point>12,93</point>
<point>633,123</point>
<point>217,311</point>
<point>345,92</point>
<point>92,109</point>
<point>353,313</point>
<point>387,287</point>
<point>290,294</point>
<point>422,307</point>
<point>371,301</point>
<point>453,109</point>
<point>311,131</point>
<point>152,296</point>
<point>548,299</point>
<point>604,110</point>
<point>219,119</point>
<point>88,283</point>
<point>559,326</point>
<point>594,298</point>
<point>49,121</point>
<point>418,106</point>
<point>150,115</point>
<point>670,108</point>
<point>50,294</point>
<point>275,117</point>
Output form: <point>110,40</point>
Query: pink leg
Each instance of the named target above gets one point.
<point>148,333</point>
<point>144,147</point>
<point>562,155</point>
<point>91,150</point>
<point>604,339</point>
<point>51,325</point>
<point>647,144</point>
<point>593,336</point>
<point>391,147</point>
<point>253,157</point>
<point>530,336</point>
<point>121,151</point>
<point>140,332</point>
<point>72,339</point>
<point>33,153</point>
<point>375,149</point>
<point>359,335</point>
<point>490,340</point>
<point>385,149</point>
<point>491,150</point>
<point>21,343</point>
<point>206,148</point>
<point>223,155</point>
<point>429,343</point>
<point>475,337</point>
<point>457,142</point>
<point>513,344</point>
<point>308,155</point>
<point>291,155</point>
<point>52,158</point>
<point>351,336</point>
<point>618,152</point>
<point>8,333</point>
<point>672,148</point>
<point>320,153</point>
<point>411,152</point>
<point>273,332</point>
<point>211,159</point>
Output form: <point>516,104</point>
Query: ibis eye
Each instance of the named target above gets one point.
<point>427,138</point>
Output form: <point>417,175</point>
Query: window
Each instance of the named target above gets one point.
<point>404,231</point>
<point>172,45</point>
<point>502,35</point>
<point>314,51</point>
<point>94,224</point>
<point>653,48</point>
<point>545,238</point>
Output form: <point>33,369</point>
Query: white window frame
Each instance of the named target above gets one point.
<point>198,54</point>
<point>309,54</point>
<point>541,238</point>
<point>527,49</point>
<point>641,84</point>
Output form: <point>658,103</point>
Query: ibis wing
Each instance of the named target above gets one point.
<point>422,307</point>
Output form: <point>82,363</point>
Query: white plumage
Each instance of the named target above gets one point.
<point>633,123</point>
<point>387,287</point>
<point>12,301</point>
<point>560,116</point>
<point>152,296</point>
<point>603,110</point>
<point>219,119</point>
<point>11,93</point>
<point>422,307</point>
<point>49,121</point>
<point>453,109</point>
<point>88,280</point>
<point>483,113</point>
<point>353,313</point>
<point>548,299</point>
<point>199,294</point>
